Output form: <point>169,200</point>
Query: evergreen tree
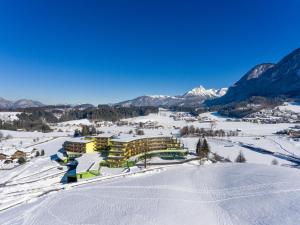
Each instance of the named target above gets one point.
<point>205,148</point>
<point>85,131</point>
<point>93,130</point>
<point>21,160</point>
<point>140,132</point>
<point>76,133</point>
<point>42,152</point>
<point>198,147</point>
<point>240,158</point>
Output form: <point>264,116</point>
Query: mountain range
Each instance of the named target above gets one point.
<point>280,79</point>
<point>272,80</point>
<point>193,98</point>
<point>21,103</point>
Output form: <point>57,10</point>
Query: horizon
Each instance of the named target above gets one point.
<point>99,53</point>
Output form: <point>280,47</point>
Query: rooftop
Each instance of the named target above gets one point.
<point>78,140</point>
<point>129,138</point>
<point>11,150</point>
<point>104,135</point>
<point>88,162</point>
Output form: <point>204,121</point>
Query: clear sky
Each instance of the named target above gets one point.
<point>103,51</point>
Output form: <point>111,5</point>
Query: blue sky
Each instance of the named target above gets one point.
<point>106,51</point>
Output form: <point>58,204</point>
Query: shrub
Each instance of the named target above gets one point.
<point>274,162</point>
<point>140,132</point>
<point>21,160</point>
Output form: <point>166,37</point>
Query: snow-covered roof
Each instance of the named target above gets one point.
<point>129,138</point>
<point>89,161</point>
<point>11,150</point>
<point>27,150</point>
<point>78,140</point>
<point>104,135</point>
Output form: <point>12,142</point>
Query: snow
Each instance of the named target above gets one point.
<point>290,106</point>
<point>214,116</point>
<point>251,193</point>
<point>159,96</point>
<point>28,181</point>
<point>51,147</point>
<point>129,138</point>
<point>88,162</point>
<point>9,116</point>
<point>50,142</point>
<point>201,91</point>
<point>186,194</point>
<point>77,122</point>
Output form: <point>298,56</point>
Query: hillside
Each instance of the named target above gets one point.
<point>267,80</point>
<point>187,194</point>
<point>21,103</point>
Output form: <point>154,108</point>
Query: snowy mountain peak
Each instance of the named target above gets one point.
<point>210,93</point>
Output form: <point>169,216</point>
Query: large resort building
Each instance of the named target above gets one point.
<point>102,141</point>
<point>120,148</point>
<point>123,148</point>
<point>77,146</point>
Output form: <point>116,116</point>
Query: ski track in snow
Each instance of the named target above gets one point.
<point>183,194</point>
<point>202,196</point>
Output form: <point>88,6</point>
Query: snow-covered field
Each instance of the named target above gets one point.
<point>9,116</point>
<point>294,107</point>
<point>185,194</point>
<point>181,194</point>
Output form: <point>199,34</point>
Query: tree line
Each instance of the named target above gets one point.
<point>107,113</point>
<point>37,119</point>
<point>191,130</point>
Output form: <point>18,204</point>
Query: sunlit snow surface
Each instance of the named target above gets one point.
<point>186,194</point>
<point>254,193</point>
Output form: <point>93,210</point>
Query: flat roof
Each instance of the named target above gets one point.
<point>129,138</point>
<point>88,161</point>
<point>104,135</point>
<point>78,140</point>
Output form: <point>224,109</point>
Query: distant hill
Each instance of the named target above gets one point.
<point>22,103</point>
<point>193,98</point>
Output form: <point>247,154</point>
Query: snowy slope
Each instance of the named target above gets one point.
<point>290,106</point>
<point>9,116</point>
<point>187,194</point>
<point>21,103</point>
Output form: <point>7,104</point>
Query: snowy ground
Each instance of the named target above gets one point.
<point>36,177</point>
<point>33,179</point>
<point>9,116</point>
<point>290,106</point>
<point>185,194</point>
<point>27,139</point>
